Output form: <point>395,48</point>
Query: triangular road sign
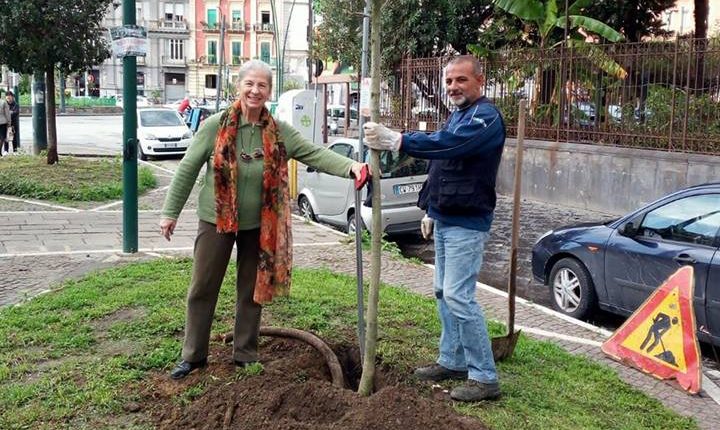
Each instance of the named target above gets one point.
<point>659,338</point>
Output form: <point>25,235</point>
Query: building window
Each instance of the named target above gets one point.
<point>174,11</point>
<point>265,17</point>
<point>210,81</point>
<point>212,52</point>
<point>237,21</point>
<point>212,18</point>
<point>176,49</point>
<point>236,52</point>
<point>265,52</point>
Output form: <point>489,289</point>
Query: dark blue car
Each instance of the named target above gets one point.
<point>616,265</point>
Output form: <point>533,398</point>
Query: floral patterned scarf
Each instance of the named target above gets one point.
<point>275,262</point>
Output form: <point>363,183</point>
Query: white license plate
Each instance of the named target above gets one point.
<point>407,188</point>
<point>171,145</point>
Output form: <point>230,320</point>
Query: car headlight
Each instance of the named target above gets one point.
<point>544,235</point>
<point>149,136</point>
<point>187,135</point>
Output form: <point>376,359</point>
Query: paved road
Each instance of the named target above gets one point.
<point>81,134</point>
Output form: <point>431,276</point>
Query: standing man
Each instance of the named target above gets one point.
<point>5,121</point>
<point>14,120</point>
<point>459,195</point>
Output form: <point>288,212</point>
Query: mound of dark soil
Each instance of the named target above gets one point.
<point>293,392</point>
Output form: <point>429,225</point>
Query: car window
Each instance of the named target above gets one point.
<point>159,118</point>
<point>694,219</point>
<point>399,165</point>
<point>343,149</point>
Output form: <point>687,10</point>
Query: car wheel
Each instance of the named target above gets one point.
<point>306,209</point>
<point>141,154</point>
<point>571,288</point>
<point>350,226</point>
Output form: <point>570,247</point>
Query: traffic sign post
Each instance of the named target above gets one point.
<point>660,338</point>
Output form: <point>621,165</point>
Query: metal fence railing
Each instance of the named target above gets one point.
<point>657,95</point>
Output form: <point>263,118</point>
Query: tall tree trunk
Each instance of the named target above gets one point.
<point>52,154</point>
<point>365,387</point>
<point>702,9</point>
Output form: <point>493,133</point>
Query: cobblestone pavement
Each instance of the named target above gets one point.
<point>41,247</point>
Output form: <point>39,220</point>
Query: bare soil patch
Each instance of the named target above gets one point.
<point>294,392</point>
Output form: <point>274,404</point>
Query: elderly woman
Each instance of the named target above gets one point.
<point>243,201</point>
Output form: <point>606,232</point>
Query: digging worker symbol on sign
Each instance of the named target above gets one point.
<point>661,324</point>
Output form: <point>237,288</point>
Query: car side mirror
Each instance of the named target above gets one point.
<point>310,169</point>
<point>628,229</point>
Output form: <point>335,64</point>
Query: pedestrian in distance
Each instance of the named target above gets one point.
<point>5,122</point>
<point>459,199</point>
<point>244,202</point>
<point>14,120</point>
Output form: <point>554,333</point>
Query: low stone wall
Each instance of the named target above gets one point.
<point>608,179</point>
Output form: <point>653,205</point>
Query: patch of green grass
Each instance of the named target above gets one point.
<point>72,179</point>
<point>55,371</point>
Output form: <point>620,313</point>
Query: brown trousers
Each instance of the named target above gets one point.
<point>211,257</point>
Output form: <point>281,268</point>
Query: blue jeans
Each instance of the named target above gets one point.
<point>464,341</point>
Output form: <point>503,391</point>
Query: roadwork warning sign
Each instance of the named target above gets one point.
<point>659,338</point>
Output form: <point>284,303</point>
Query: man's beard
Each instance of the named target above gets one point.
<point>460,101</point>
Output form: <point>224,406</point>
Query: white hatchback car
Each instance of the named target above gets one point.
<point>331,199</point>
<point>161,131</point>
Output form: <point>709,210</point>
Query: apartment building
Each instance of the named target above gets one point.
<point>184,40</point>
<point>163,72</point>
<point>251,29</point>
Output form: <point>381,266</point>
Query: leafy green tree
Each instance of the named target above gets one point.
<point>409,28</point>
<point>40,36</point>
<point>550,22</point>
<point>636,19</point>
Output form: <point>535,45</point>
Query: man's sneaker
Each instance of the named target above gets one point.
<point>436,372</point>
<point>475,391</point>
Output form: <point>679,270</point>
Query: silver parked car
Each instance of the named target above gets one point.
<point>331,199</point>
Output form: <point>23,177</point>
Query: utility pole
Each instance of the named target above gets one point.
<point>221,52</point>
<point>130,142</point>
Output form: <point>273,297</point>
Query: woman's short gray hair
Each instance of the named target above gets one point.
<point>255,65</point>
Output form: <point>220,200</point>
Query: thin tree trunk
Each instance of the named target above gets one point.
<point>701,25</point>
<point>52,154</point>
<point>365,387</point>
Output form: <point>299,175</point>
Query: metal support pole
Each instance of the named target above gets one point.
<point>359,158</point>
<point>278,59</point>
<point>221,52</point>
<point>62,92</point>
<point>38,113</point>
<point>16,91</point>
<point>130,195</point>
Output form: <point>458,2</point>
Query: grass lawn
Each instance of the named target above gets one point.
<point>73,358</point>
<point>72,179</point>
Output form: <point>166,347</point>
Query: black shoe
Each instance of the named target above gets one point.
<point>436,372</point>
<point>184,368</point>
<point>244,364</point>
<point>475,391</point>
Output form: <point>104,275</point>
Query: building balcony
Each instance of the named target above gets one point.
<point>264,28</point>
<point>238,60</point>
<point>271,61</point>
<point>213,27</point>
<point>237,27</point>
<point>167,61</point>
<point>170,26</point>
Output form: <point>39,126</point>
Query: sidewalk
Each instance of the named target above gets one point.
<point>41,246</point>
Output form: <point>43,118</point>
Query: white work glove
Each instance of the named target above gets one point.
<point>377,136</point>
<point>426,227</point>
